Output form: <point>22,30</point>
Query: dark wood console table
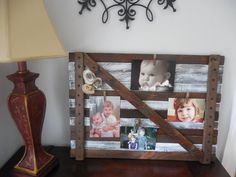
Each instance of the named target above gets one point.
<point>121,168</point>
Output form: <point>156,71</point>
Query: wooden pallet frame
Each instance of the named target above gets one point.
<point>135,97</point>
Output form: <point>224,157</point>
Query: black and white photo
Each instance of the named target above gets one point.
<point>150,75</point>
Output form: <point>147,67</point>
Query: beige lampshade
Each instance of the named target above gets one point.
<point>26,32</point>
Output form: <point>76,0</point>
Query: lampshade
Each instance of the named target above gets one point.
<point>26,32</point>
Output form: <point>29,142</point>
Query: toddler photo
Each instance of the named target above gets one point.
<point>150,75</point>
<point>186,110</point>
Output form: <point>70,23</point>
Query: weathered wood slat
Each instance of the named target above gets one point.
<point>186,59</point>
<point>147,111</point>
<point>184,73</point>
<point>129,121</point>
<point>127,113</point>
<point>155,96</point>
<point>187,132</point>
<point>115,145</point>
<point>179,87</point>
<point>161,137</point>
<point>158,96</point>
<point>186,76</point>
<point>157,105</point>
<point>147,123</point>
<point>79,110</point>
<point>213,73</point>
<point>151,155</point>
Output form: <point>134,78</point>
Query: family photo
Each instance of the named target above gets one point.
<point>138,139</point>
<point>105,117</point>
<point>150,75</point>
<point>186,110</point>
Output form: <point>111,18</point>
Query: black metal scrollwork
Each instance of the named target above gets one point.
<point>126,8</point>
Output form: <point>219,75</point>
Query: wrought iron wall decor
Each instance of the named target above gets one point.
<point>126,8</point>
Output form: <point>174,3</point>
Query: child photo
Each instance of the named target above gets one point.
<point>150,75</point>
<point>140,139</point>
<point>186,110</point>
<point>104,116</point>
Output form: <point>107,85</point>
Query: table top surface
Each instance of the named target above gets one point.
<point>69,167</point>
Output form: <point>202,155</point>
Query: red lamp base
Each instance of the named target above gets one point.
<point>27,106</point>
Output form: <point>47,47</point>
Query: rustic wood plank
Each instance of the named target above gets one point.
<point>213,73</point>
<point>137,102</point>
<point>157,96</point>
<point>71,68</point>
<point>187,132</point>
<point>185,59</point>
<point>148,123</point>
<point>184,73</point>
<point>196,136</point>
<point>186,76</point>
<point>161,139</point>
<point>127,113</point>
<point>79,110</point>
<point>151,155</point>
<point>160,147</point>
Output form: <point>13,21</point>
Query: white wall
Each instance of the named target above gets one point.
<point>198,27</point>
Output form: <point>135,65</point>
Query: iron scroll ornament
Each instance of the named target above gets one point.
<point>127,8</point>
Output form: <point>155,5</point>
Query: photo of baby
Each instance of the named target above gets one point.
<point>140,139</point>
<point>105,117</point>
<point>186,110</point>
<point>150,75</point>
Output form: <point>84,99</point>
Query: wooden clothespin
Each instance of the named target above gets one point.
<point>187,97</point>
<point>104,96</point>
<point>154,59</point>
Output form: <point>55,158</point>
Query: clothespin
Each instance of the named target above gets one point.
<point>104,96</point>
<point>187,97</point>
<point>154,59</point>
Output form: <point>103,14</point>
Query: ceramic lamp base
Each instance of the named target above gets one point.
<point>27,106</point>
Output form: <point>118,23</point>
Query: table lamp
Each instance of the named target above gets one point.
<point>26,33</point>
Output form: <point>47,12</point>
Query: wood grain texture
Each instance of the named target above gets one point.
<point>151,155</point>
<point>213,73</point>
<point>79,109</point>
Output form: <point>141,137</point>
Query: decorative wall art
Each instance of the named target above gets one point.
<point>145,113</point>
<point>127,9</point>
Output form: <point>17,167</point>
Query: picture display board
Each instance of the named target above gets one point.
<point>165,106</point>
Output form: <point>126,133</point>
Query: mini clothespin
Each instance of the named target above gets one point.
<point>154,59</point>
<point>104,96</point>
<point>187,97</point>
